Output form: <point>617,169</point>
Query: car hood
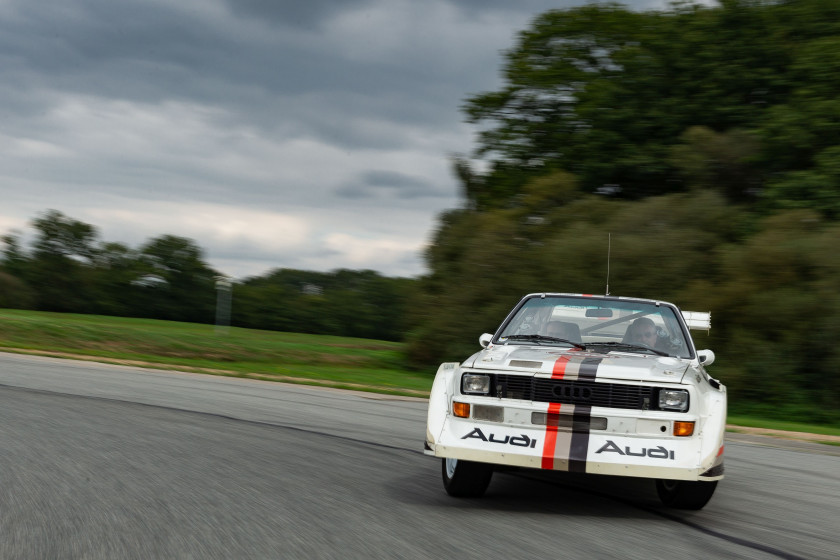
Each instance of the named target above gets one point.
<point>613,365</point>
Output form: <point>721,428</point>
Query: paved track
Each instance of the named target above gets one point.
<point>109,462</point>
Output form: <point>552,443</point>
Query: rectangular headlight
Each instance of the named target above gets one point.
<point>475,384</point>
<point>673,399</point>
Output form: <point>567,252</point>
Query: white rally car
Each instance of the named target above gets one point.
<point>589,384</point>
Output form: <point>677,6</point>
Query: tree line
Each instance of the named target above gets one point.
<point>69,269</point>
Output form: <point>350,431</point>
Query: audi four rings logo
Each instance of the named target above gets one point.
<point>573,393</point>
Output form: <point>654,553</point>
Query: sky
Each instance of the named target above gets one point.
<point>311,135</point>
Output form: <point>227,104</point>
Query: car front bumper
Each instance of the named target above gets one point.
<point>625,443</point>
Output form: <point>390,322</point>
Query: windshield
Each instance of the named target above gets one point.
<point>597,324</point>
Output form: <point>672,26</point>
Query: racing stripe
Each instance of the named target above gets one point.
<point>559,369</point>
<point>550,437</point>
<point>589,368</point>
<point>580,439</point>
<point>557,443</point>
<point>568,365</point>
<point>567,449</point>
<point>582,419</point>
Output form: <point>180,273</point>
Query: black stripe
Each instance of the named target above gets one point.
<point>580,438</point>
<point>582,420</point>
<point>589,368</point>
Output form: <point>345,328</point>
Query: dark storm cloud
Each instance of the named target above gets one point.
<point>270,72</point>
<point>294,13</point>
<point>390,184</point>
<point>139,40</point>
<point>269,61</point>
<point>132,49</point>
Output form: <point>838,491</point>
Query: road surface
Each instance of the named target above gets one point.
<point>101,461</point>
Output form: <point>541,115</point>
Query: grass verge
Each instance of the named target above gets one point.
<point>784,426</point>
<point>361,364</point>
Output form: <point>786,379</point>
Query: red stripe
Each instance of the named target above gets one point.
<point>553,409</point>
<point>559,367</point>
<point>720,452</point>
<point>550,436</point>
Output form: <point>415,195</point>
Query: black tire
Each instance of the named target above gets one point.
<point>683,494</point>
<point>465,479</point>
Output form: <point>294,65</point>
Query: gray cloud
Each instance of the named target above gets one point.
<point>390,184</point>
<point>293,13</point>
<point>273,132</point>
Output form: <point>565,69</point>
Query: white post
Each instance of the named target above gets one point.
<point>224,288</point>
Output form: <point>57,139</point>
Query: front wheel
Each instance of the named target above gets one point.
<point>465,479</point>
<point>683,494</point>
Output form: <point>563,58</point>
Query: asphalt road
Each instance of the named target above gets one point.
<point>101,461</point>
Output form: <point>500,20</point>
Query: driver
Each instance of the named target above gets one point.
<point>642,331</point>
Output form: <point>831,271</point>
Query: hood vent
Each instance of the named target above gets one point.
<point>525,364</point>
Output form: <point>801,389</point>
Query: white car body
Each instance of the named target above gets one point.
<point>596,407</point>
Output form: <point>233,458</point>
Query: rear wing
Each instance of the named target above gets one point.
<point>698,320</point>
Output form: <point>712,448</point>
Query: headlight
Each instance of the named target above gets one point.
<point>475,384</point>
<point>673,399</point>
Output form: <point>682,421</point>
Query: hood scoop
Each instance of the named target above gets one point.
<point>525,364</point>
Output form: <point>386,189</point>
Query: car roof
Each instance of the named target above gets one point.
<point>595,296</point>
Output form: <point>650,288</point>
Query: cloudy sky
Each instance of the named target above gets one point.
<point>274,133</point>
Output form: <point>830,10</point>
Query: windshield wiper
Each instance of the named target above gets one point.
<point>541,338</point>
<point>628,345</point>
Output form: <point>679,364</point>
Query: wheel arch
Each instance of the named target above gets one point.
<point>440,398</point>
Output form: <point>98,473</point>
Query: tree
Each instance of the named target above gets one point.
<point>188,290</point>
<point>583,93</point>
<point>14,293</point>
<point>644,101</point>
<point>342,302</point>
<point>14,259</point>
<point>59,272</point>
<point>722,161</point>
<point>61,236</point>
<point>116,269</point>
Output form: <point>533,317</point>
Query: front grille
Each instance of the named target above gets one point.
<point>512,386</point>
<point>608,395</point>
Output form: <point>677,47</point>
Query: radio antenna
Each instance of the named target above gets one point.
<point>609,246</point>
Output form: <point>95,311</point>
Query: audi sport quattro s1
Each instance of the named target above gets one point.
<point>588,384</point>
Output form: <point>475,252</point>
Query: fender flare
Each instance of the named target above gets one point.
<point>440,398</point>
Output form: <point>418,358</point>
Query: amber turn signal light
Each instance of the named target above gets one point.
<point>460,409</point>
<point>683,429</point>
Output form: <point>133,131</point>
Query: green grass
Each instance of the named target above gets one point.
<point>752,422</point>
<point>301,358</point>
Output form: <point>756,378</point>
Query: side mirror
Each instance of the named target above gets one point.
<point>706,357</point>
<point>485,339</point>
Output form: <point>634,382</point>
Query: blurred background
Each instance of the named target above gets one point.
<point>698,146</point>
